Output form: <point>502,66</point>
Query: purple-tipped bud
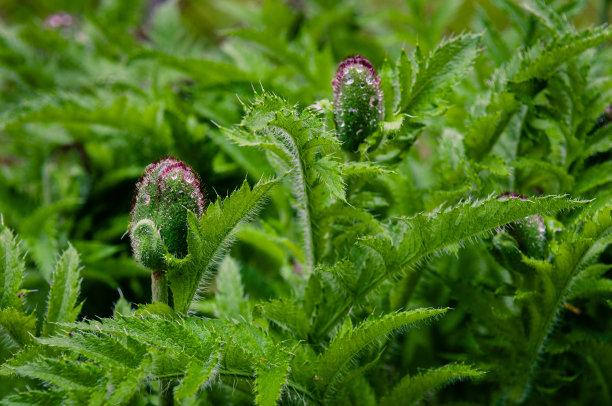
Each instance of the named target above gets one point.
<point>358,104</point>
<point>167,189</point>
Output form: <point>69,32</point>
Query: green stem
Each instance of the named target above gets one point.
<point>605,11</point>
<point>159,288</point>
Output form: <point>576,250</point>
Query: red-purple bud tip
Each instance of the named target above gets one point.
<point>167,189</point>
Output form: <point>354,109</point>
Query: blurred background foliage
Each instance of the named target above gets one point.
<point>93,91</point>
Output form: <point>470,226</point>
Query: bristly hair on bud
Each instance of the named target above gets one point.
<point>158,225</point>
<point>358,104</point>
<point>530,232</point>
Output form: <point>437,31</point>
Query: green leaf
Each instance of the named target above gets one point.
<point>442,69</point>
<point>196,375</point>
<point>405,76</point>
<point>62,303</point>
<point>411,389</point>
<point>271,376</point>
<point>288,315</point>
<point>330,173</point>
<point>593,177</point>
<point>122,306</point>
<point>541,63</point>
<point>63,373</point>
<point>366,170</point>
<point>230,301</point>
<point>34,398</point>
<point>425,234</point>
<point>11,270</point>
<point>126,383</point>
<point>554,21</point>
<point>300,148</point>
<point>19,326</point>
<point>104,348</point>
<point>344,348</point>
<point>189,336</point>
<point>210,238</point>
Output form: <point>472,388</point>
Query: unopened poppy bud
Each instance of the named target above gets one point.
<point>529,232</point>
<point>167,189</point>
<point>358,106</point>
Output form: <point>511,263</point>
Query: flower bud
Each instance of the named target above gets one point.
<point>167,189</point>
<point>358,106</point>
<point>529,232</point>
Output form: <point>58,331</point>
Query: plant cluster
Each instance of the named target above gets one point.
<point>407,222</point>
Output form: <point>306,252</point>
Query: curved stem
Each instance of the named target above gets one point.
<point>159,289</point>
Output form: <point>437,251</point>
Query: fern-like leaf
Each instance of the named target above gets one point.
<point>230,302</point>
<point>334,362</point>
<point>208,239</point>
<point>546,14</point>
<point>63,296</point>
<point>299,145</point>
<point>271,376</point>
<point>540,64</point>
<point>448,63</point>
<point>411,389</point>
<point>425,234</point>
<point>11,270</point>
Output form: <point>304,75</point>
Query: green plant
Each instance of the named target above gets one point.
<point>376,260</point>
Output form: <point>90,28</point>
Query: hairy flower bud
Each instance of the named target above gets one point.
<point>167,189</point>
<point>358,105</point>
<point>529,232</point>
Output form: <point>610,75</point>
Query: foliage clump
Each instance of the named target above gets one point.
<point>357,246</point>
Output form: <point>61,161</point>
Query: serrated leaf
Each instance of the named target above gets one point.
<point>103,348</point>
<point>330,173</point>
<point>546,14</point>
<point>62,302</point>
<point>11,270</point>
<point>19,326</point>
<point>230,302</point>
<point>288,315</point>
<point>208,239</point>
<point>336,358</point>
<point>424,234</point>
<point>34,398</point>
<point>546,61</point>
<point>271,376</point>
<point>196,375</point>
<point>448,63</point>
<point>411,389</point>
<point>63,373</point>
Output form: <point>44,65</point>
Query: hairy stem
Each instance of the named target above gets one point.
<point>159,288</point>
